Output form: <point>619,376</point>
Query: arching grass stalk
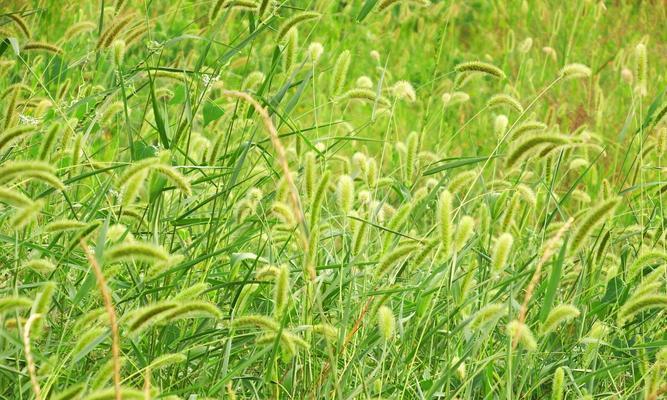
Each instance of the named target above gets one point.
<point>548,251</point>
<point>508,132</point>
<point>108,305</point>
<point>32,370</point>
<point>280,151</point>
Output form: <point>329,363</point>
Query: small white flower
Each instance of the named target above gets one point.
<point>154,45</point>
<point>28,120</point>
<point>209,79</point>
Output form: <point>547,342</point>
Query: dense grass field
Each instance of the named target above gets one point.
<point>335,199</point>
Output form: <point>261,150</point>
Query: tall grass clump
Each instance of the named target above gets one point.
<point>259,199</point>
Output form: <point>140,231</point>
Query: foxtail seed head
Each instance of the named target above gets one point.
<point>596,217</point>
<point>505,100</point>
<point>386,323</point>
<point>295,20</point>
<point>641,69</point>
<point>345,193</point>
<point>500,253</point>
<point>521,333</point>
<point>464,231</point>
<point>339,74</point>
<point>479,66</point>
<point>559,315</point>
<point>574,71</point>
<point>557,387</point>
<point>282,291</point>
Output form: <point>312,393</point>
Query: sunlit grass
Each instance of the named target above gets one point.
<point>332,199</point>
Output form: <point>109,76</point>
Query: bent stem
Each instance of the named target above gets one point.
<point>28,355</point>
<point>108,305</point>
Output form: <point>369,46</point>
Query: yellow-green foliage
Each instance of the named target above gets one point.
<point>396,199</point>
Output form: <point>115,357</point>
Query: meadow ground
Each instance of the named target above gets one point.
<point>338,199</point>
